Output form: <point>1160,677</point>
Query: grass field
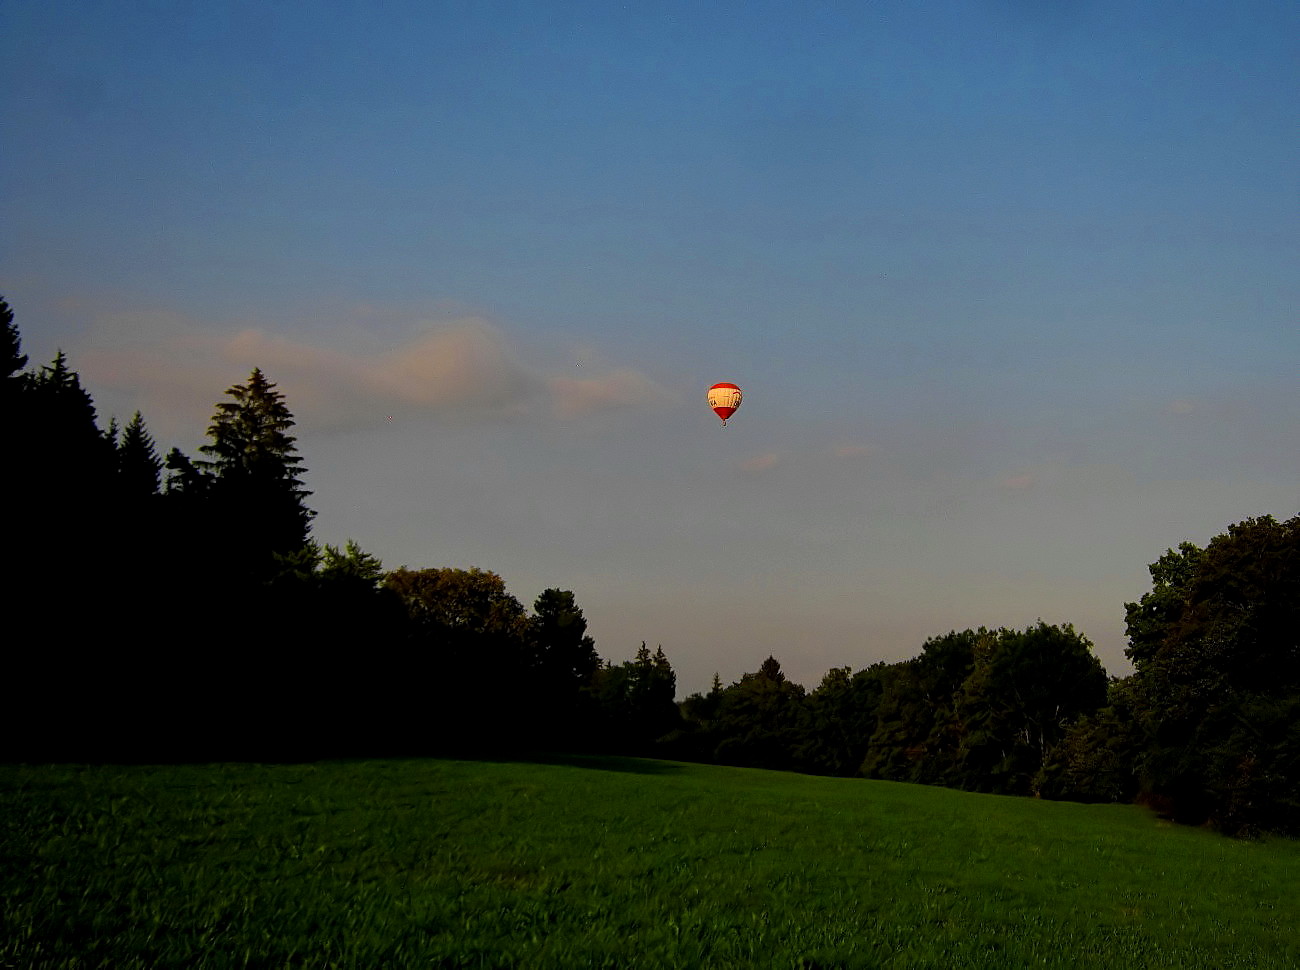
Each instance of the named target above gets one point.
<point>604,862</point>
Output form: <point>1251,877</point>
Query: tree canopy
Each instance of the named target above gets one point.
<point>1216,647</point>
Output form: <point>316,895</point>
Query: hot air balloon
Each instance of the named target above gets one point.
<point>724,398</point>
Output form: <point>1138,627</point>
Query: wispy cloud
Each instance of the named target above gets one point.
<point>459,367</point>
<point>573,397</point>
<point>464,367</point>
<point>760,463</point>
<point>851,451</point>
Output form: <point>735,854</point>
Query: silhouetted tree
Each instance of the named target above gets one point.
<point>1025,690</point>
<point>758,720</point>
<point>1216,644</point>
<point>839,719</point>
<point>636,703</point>
<point>335,668</point>
<point>183,476</point>
<point>918,731</point>
<point>14,419</point>
<point>58,500</point>
<point>228,530</point>
<point>564,661</point>
<point>895,750</point>
<point>1097,759</point>
<point>469,659</point>
<point>12,359</point>
<point>139,469</point>
<point>696,737</point>
<point>70,461</point>
<point>14,488</point>
<point>566,657</point>
<point>352,565</point>
<point>1149,621</point>
<point>256,494</point>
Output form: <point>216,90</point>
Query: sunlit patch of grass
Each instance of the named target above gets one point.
<point>608,863</point>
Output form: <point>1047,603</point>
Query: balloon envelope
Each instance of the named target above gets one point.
<point>724,398</point>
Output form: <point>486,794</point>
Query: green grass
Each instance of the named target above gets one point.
<point>601,862</point>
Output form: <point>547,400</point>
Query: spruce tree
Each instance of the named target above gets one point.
<point>139,468</point>
<point>565,657</point>
<point>183,478</point>
<point>65,465</point>
<point>256,492</point>
<point>236,520</point>
<point>14,410</point>
<point>65,413</point>
<point>60,519</point>
<point>12,360</point>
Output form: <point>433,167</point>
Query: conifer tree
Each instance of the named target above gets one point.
<point>58,491</point>
<point>566,657</point>
<point>65,464</point>
<point>12,360</point>
<point>13,417</point>
<point>183,478</point>
<point>351,564</point>
<point>65,410</point>
<point>139,468</point>
<point>256,491</point>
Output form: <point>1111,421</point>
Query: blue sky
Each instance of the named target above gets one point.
<point>1011,289</point>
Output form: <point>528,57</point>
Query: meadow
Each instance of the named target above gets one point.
<point>609,862</point>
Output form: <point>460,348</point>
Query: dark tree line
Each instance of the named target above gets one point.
<point>982,710</point>
<point>1206,730</point>
<point>178,608</point>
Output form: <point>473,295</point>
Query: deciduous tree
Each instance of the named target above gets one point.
<point>468,663</point>
<point>1216,644</point>
<point>1027,687</point>
<point>759,719</point>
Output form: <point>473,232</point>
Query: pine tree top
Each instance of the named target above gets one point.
<point>250,435</point>
<point>12,360</point>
